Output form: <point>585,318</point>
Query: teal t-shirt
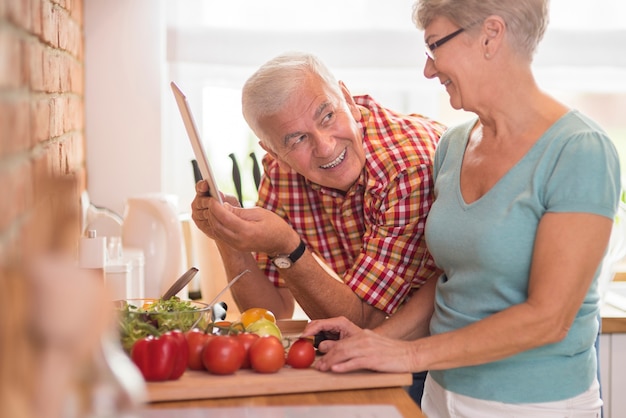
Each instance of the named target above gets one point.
<point>485,250</point>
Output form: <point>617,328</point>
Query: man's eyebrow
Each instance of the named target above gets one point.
<point>288,137</point>
<point>320,109</point>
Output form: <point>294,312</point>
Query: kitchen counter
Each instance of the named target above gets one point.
<point>249,392</point>
<point>613,320</point>
<point>614,309</point>
<point>360,401</point>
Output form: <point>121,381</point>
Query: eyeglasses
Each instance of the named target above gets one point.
<point>430,48</point>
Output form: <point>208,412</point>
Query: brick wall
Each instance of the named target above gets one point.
<point>41,106</point>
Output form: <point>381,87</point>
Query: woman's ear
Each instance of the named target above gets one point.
<point>354,109</point>
<point>492,35</point>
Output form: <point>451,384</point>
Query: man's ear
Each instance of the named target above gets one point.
<point>354,109</point>
<point>283,164</point>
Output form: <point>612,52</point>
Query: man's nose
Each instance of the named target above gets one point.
<point>324,145</point>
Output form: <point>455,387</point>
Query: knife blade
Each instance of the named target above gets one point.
<point>256,171</point>
<point>236,178</point>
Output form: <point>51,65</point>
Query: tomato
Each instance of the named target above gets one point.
<point>254,314</point>
<point>247,339</point>
<point>196,341</point>
<point>301,354</point>
<point>182,353</point>
<point>223,354</point>
<point>267,354</point>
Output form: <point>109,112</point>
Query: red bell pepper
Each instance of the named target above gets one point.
<point>161,358</point>
<point>182,354</point>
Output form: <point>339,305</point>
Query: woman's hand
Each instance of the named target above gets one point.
<point>359,349</point>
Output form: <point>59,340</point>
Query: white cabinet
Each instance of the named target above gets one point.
<point>613,374</point>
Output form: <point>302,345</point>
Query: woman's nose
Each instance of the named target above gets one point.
<point>429,68</point>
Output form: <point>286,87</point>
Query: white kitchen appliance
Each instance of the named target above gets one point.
<point>151,223</point>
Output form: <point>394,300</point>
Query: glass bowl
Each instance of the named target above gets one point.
<point>139,318</point>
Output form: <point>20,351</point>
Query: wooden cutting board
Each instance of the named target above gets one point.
<point>203,385</point>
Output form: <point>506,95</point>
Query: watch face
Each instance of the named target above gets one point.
<point>282,262</point>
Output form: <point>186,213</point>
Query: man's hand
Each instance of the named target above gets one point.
<point>246,230</point>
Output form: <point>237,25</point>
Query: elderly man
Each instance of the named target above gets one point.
<point>346,189</point>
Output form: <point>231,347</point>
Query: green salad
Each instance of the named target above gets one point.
<point>154,317</point>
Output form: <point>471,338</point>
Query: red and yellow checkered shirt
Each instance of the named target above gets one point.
<point>373,235</point>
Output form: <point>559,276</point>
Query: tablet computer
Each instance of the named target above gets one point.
<point>196,144</point>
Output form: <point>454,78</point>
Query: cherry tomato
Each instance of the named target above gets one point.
<point>196,341</point>
<point>301,354</point>
<point>267,354</point>
<point>247,339</point>
<point>254,314</point>
<point>223,354</point>
<point>182,357</point>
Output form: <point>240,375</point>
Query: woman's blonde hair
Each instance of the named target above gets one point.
<point>526,20</point>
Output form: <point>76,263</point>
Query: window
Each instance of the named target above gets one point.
<point>374,47</point>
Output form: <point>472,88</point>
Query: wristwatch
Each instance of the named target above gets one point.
<point>286,261</point>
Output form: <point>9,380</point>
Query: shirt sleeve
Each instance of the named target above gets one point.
<point>394,258</point>
<point>585,177</point>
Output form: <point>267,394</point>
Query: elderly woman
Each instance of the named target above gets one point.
<point>525,195</point>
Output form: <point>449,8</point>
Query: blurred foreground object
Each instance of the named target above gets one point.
<point>56,356</point>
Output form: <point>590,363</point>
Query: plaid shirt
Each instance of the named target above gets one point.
<point>373,235</point>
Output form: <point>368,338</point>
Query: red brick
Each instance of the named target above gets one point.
<point>71,114</point>
<point>75,39</point>
<point>57,113</point>
<point>21,136</point>
<point>76,9</point>
<point>15,179</point>
<point>35,16</point>
<point>5,139</point>
<point>51,76</point>
<point>41,106</point>
<point>50,23</point>
<point>65,63</point>
<point>40,120</point>
<point>65,28</point>
<point>10,58</point>
<point>7,211</point>
<point>34,52</point>
<point>25,66</point>
<point>18,12</point>
<point>77,78</point>
<point>16,130</point>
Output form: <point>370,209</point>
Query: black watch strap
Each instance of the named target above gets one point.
<point>298,252</point>
<point>286,261</point>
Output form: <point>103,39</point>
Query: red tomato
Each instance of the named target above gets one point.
<point>301,354</point>
<point>182,353</point>
<point>196,340</point>
<point>223,354</point>
<point>247,339</point>
<point>267,354</point>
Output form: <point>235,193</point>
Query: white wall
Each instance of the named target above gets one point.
<point>124,78</point>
